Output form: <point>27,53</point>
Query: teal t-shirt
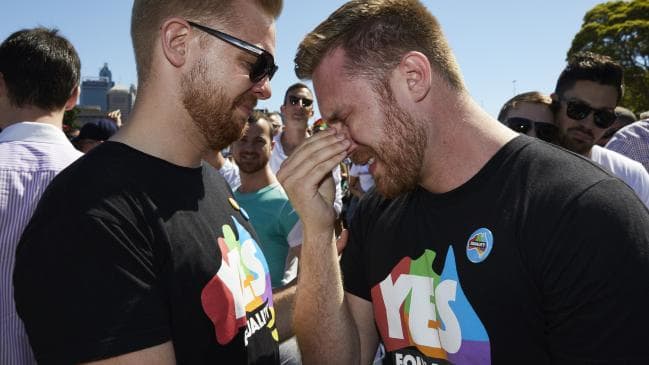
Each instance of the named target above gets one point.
<point>273,218</point>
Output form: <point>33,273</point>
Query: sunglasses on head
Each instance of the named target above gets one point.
<point>579,110</point>
<point>265,64</point>
<point>544,131</point>
<point>294,100</point>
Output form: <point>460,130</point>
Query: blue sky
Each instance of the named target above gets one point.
<point>495,42</point>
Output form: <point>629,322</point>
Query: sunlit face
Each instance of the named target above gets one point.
<point>580,135</point>
<point>294,108</point>
<point>252,151</point>
<point>217,91</point>
<point>383,134</point>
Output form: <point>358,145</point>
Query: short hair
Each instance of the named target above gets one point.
<point>40,68</point>
<point>261,116</point>
<point>147,17</point>
<point>375,34</point>
<point>297,85</point>
<point>624,115</point>
<point>528,97</point>
<point>589,66</point>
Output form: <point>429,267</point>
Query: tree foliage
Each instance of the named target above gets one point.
<point>70,119</point>
<point>620,30</point>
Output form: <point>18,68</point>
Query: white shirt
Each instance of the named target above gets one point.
<point>31,154</point>
<point>278,156</point>
<point>230,171</point>
<point>628,170</point>
<point>362,172</point>
<point>633,142</point>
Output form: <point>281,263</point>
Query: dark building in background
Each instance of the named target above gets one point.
<point>94,90</point>
<point>100,95</point>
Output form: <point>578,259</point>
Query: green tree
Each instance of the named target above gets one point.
<point>620,30</point>
<point>70,119</point>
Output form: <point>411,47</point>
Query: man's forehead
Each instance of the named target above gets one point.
<point>595,94</point>
<point>300,92</point>
<point>260,127</point>
<point>254,25</point>
<point>329,79</point>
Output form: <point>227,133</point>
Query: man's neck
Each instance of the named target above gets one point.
<point>9,116</point>
<point>251,182</point>
<point>458,150</point>
<point>163,129</point>
<point>292,137</point>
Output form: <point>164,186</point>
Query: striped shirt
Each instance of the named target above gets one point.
<point>633,142</point>
<point>31,154</point>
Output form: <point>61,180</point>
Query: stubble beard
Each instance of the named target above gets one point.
<point>209,108</point>
<point>566,141</point>
<point>401,153</point>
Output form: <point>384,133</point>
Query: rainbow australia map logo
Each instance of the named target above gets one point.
<point>240,294</point>
<point>479,245</point>
<point>424,317</point>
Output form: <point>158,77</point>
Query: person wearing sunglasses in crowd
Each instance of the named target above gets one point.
<point>530,113</point>
<point>633,141</point>
<point>584,101</point>
<point>623,117</point>
<point>138,253</point>
<point>477,245</point>
<point>297,110</point>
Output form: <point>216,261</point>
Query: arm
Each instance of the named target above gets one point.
<point>284,303</point>
<point>157,355</point>
<point>320,302</point>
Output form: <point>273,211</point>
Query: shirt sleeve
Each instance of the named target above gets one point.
<point>88,288</point>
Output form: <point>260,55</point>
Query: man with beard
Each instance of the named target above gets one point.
<point>584,100</point>
<point>271,214</point>
<point>262,197</point>
<point>138,254</point>
<point>297,110</point>
<point>478,245</point>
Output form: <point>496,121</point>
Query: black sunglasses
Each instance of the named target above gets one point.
<point>265,64</point>
<point>294,100</point>
<point>544,131</point>
<point>579,110</point>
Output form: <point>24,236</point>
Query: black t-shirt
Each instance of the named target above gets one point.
<point>540,258</point>
<point>127,251</point>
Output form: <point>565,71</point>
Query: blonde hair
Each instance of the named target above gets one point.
<point>375,34</point>
<point>147,17</point>
<point>528,97</point>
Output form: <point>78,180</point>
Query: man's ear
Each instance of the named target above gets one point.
<point>416,71</point>
<point>73,99</point>
<point>174,35</point>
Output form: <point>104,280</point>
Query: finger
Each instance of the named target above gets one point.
<point>315,167</point>
<point>309,183</point>
<point>315,153</point>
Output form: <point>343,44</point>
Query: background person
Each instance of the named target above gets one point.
<point>152,260</point>
<point>33,149</point>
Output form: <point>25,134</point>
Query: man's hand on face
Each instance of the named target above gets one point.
<point>306,177</point>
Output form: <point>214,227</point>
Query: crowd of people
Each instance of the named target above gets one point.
<point>405,226</point>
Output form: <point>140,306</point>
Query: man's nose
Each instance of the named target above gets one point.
<point>262,89</point>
